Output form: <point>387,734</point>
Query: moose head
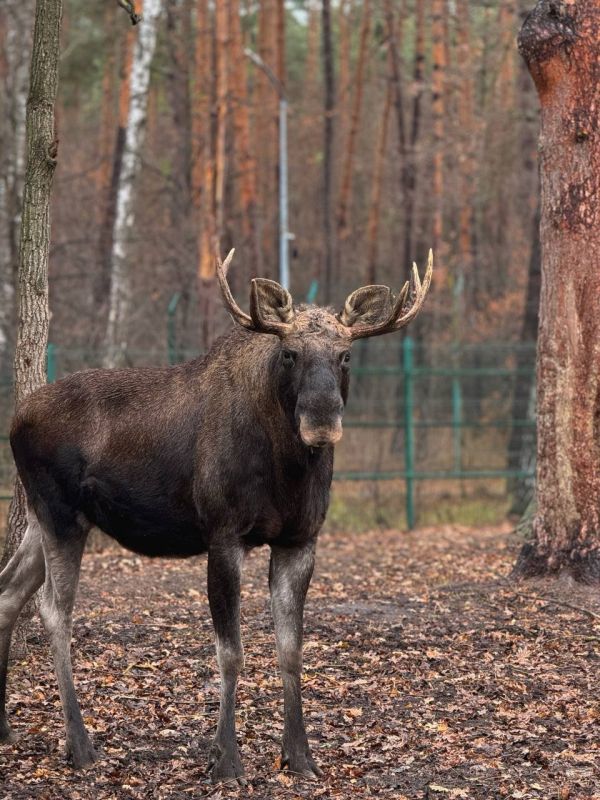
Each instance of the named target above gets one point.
<point>313,358</point>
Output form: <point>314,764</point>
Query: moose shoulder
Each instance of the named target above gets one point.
<point>217,455</point>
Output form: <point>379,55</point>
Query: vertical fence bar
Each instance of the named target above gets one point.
<point>171,330</point>
<point>409,438</point>
<point>50,362</point>
<point>457,422</point>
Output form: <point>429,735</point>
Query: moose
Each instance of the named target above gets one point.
<point>218,455</point>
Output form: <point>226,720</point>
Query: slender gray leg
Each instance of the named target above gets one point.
<point>20,579</point>
<point>63,561</point>
<point>289,576</point>
<point>224,578</point>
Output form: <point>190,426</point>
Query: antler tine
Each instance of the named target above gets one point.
<point>420,292</point>
<point>222,266</point>
<point>397,319</point>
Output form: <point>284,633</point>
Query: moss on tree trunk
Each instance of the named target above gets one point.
<point>560,42</point>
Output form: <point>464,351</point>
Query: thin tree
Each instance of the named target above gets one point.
<point>561,45</point>
<point>124,226</point>
<point>376,188</point>
<point>112,154</point>
<point>328,111</point>
<point>41,159</point>
<point>350,153</point>
<point>15,44</point>
<point>246,161</point>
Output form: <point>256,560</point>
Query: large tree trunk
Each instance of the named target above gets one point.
<point>41,150</point>
<point>561,44</point>
<point>120,277</point>
<point>15,22</point>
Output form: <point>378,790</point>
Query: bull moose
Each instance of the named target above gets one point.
<point>218,455</point>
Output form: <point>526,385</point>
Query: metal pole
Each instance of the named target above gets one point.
<point>284,266</point>
<point>409,438</point>
<point>457,423</point>
<point>171,330</point>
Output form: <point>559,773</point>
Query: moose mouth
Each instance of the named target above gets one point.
<point>320,435</point>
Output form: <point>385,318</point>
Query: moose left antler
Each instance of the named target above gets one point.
<point>399,315</point>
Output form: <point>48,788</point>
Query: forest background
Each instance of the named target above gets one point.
<point>411,125</point>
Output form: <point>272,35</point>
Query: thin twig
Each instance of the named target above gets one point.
<point>545,599</point>
<point>130,9</point>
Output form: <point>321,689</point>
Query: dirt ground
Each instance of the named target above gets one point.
<point>427,675</point>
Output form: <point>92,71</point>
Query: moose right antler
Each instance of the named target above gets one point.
<point>271,307</point>
<point>400,315</point>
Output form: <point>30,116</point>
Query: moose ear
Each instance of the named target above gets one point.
<point>366,306</point>
<point>270,301</point>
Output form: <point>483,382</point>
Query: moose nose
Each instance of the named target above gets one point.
<point>320,435</point>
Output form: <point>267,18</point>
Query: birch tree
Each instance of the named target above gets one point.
<point>124,225</point>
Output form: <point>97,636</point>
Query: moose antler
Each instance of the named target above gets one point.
<point>400,315</point>
<point>257,320</point>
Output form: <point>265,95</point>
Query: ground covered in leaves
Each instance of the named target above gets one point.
<point>427,675</point>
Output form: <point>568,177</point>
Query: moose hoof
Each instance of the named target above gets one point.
<point>301,763</point>
<point>225,764</point>
<point>7,735</point>
<point>81,754</point>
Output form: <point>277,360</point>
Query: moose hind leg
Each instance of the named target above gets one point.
<point>63,562</point>
<point>289,577</point>
<point>19,580</point>
<point>224,578</point>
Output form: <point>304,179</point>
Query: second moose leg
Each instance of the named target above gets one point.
<point>63,561</point>
<point>224,578</point>
<point>289,576</point>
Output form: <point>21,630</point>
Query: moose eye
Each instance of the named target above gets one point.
<point>346,357</point>
<point>289,358</point>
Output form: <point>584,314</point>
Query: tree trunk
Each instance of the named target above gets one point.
<point>102,280</point>
<point>377,181</point>
<point>120,277</point>
<point>438,78</point>
<point>521,446</point>
<point>561,44</point>
<point>16,48</point>
<point>245,161</point>
<point>329,107</point>
<point>348,162</point>
<point>41,153</point>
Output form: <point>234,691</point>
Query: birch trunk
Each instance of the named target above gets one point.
<point>120,276</point>
<point>41,148</point>
<point>561,44</point>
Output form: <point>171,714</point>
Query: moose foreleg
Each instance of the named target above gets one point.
<point>289,576</point>
<point>224,578</point>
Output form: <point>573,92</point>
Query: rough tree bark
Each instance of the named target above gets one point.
<point>41,153</point>
<point>560,42</point>
<point>348,161</point>
<point>111,183</point>
<point>120,277</point>
<point>329,108</point>
<point>15,24</point>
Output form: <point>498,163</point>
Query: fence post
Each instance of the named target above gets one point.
<point>171,331</point>
<point>409,439</point>
<point>50,362</point>
<point>457,422</point>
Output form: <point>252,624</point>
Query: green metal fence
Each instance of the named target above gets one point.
<point>417,413</point>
